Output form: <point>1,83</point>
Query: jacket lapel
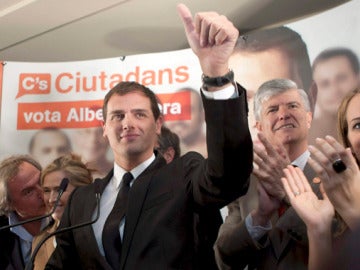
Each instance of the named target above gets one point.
<point>290,225</point>
<point>137,197</point>
<point>98,186</point>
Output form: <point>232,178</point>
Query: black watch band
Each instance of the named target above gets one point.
<point>218,81</point>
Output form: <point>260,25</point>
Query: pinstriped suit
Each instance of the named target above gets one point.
<point>159,231</point>
<point>286,246</point>
<point>10,250</point>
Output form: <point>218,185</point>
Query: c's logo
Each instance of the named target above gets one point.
<point>34,83</point>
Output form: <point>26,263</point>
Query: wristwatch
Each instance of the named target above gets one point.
<point>218,81</point>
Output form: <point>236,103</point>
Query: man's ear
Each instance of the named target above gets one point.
<point>169,154</point>
<point>258,126</point>
<point>159,122</point>
<point>309,119</point>
<point>103,128</point>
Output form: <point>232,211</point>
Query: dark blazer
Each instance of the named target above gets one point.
<point>159,230</point>
<point>284,247</point>
<point>10,250</point>
<point>207,224</point>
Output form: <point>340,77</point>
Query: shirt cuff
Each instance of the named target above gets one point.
<point>226,93</point>
<point>256,232</point>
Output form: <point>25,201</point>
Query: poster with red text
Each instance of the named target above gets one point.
<point>69,95</point>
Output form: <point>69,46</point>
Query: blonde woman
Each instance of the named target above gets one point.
<point>337,165</point>
<point>68,166</point>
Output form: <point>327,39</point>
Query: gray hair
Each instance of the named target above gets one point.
<point>9,168</point>
<point>274,87</point>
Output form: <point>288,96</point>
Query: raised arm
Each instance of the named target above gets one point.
<point>212,38</point>
<point>316,213</point>
<point>342,183</point>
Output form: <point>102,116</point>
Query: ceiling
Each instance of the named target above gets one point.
<point>71,30</point>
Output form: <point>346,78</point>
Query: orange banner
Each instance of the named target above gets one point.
<point>84,114</point>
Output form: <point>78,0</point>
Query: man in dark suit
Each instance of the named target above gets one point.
<point>21,198</point>
<point>207,221</point>
<point>261,230</point>
<point>157,231</point>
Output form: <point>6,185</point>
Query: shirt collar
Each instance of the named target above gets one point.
<point>119,172</point>
<point>20,230</point>
<point>301,160</point>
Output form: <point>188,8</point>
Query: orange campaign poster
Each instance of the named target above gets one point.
<point>1,74</point>
<point>68,95</point>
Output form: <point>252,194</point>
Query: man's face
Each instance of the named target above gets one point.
<point>254,68</point>
<point>284,119</point>
<point>90,144</point>
<point>131,127</point>
<point>25,192</point>
<point>48,146</point>
<point>190,130</point>
<point>353,121</point>
<point>334,79</point>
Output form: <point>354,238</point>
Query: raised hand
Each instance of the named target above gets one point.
<point>269,164</point>
<point>212,38</point>
<point>342,187</point>
<point>316,213</point>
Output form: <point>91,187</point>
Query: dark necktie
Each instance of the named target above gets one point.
<point>111,236</point>
<point>283,206</point>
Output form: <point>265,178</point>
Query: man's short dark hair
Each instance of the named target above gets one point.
<point>285,40</point>
<point>335,52</point>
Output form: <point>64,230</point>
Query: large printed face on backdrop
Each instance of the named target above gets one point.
<point>90,144</point>
<point>334,78</point>
<point>191,132</point>
<point>254,68</point>
<point>49,144</point>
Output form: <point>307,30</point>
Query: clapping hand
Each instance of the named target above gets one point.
<point>316,213</point>
<point>269,164</point>
<point>341,182</point>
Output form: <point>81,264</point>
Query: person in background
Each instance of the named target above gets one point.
<point>337,165</point>
<point>68,166</point>
<point>156,230</point>
<point>267,54</point>
<point>269,234</point>
<point>335,72</point>
<point>317,213</point>
<point>48,144</point>
<point>191,132</point>
<point>21,198</point>
<point>93,149</point>
<point>168,144</point>
<point>207,222</point>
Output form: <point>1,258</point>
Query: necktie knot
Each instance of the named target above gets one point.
<point>111,234</point>
<point>127,179</point>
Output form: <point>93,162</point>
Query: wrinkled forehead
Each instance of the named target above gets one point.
<point>282,98</point>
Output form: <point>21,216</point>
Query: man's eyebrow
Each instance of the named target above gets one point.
<point>116,111</point>
<point>293,102</point>
<point>139,110</point>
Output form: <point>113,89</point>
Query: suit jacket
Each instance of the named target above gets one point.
<point>46,248</point>
<point>159,231</point>
<point>284,247</point>
<point>10,250</point>
<point>207,224</point>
